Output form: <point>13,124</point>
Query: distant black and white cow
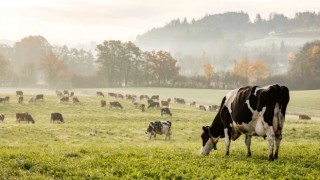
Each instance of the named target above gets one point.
<point>159,127</point>
<point>165,111</point>
<point>56,117</point>
<point>252,111</point>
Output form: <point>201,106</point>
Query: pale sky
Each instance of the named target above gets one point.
<point>82,21</point>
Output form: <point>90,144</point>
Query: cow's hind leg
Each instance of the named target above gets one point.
<point>278,140</point>
<point>248,143</point>
<point>271,139</point>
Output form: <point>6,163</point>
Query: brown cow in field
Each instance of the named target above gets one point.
<point>142,97</point>
<point>2,117</point>
<point>39,96</point>
<point>103,103</point>
<point>142,107</point>
<point>31,100</point>
<point>100,94</point>
<point>24,117</point>
<point>165,111</point>
<point>66,92</point>
<point>165,103</point>
<point>202,107</point>
<point>112,95</point>
<point>193,103</point>
<point>20,100</point>
<point>64,99</point>
<point>6,99</point>
<point>56,117</point>
<point>75,100</point>
<point>59,94</point>
<point>19,93</point>
<point>120,96</point>
<point>115,104</point>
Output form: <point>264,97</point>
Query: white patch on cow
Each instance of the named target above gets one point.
<point>149,135</point>
<point>248,104</point>
<point>166,130</point>
<point>256,126</point>
<point>205,150</point>
<point>257,89</point>
<point>229,99</point>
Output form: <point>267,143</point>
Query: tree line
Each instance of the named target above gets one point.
<point>34,62</point>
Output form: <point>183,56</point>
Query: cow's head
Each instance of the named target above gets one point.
<point>150,131</point>
<point>208,141</point>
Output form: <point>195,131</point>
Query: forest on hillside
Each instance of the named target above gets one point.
<point>35,62</point>
<point>221,38</point>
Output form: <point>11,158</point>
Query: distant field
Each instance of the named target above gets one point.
<point>103,143</point>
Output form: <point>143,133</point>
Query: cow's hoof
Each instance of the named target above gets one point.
<point>271,158</point>
<point>249,155</point>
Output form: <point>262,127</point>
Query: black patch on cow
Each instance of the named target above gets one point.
<point>205,135</point>
<point>253,98</point>
<point>240,110</point>
<point>284,99</point>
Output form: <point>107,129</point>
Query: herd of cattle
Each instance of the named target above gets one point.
<point>157,127</point>
<point>250,110</point>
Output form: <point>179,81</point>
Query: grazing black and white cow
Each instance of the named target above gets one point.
<point>56,117</point>
<point>165,111</point>
<point>252,111</point>
<point>159,127</point>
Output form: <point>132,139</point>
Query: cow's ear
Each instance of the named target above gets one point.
<point>204,128</point>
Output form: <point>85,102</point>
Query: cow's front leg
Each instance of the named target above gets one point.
<point>248,143</point>
<point>278,140</point>
<point>271,139</point>
<point>227,133</point>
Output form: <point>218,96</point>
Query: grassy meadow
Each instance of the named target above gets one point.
<point>102,143</point>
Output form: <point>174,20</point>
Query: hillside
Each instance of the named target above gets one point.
<point>230,35</point>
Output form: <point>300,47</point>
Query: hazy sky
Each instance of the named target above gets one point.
<point>81,21</point>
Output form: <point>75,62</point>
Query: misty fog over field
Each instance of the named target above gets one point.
<point>219,50</point>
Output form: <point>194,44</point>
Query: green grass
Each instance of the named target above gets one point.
<point>103,143</point>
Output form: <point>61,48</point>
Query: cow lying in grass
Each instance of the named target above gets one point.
<point>159,127</point>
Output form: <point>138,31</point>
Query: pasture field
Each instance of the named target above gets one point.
<point>102,143</point>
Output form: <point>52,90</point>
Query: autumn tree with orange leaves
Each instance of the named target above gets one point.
<point>252,70</point>
<point>208,73</point>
